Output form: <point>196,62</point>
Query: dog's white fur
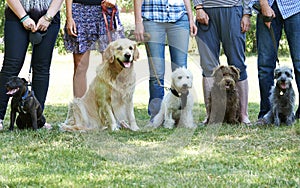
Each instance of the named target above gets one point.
<point>170,113</point>
<point>109,100</point>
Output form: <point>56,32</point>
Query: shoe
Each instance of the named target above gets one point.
<point>47,126</point>
<point>261,121</point>
<point>1,124</point>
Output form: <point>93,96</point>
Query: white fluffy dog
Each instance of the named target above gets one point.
<point>177,105</point>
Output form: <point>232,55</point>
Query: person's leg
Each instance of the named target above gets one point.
<point>15,47</point>
<point>156,60</point>
<point>41,61</point>
<point>178,36</point>
<point>208,43</point>
<point>266,62</point>
<point>81,64</point>
<point>233,42</point>
<point>292,31</point>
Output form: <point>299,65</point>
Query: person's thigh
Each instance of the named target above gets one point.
<point>15,47</point>
<point>208,43</point>
<point>233,40</point>
<point>292,31</point>
<point>178,35</point>
<point>156,47</point>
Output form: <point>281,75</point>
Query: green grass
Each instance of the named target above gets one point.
<point>211,156</point>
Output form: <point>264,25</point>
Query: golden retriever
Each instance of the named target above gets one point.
<point>108,103</point>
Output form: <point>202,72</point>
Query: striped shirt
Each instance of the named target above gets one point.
<point>222,3</point>
<point>287,8</point>
<point>163,10</point>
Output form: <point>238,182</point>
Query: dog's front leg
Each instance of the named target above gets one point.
<point>13,114</point>
<point>276,117</point>
<point>131,117</point>
<point>290,119</point>
<point>169,121</point>
<point>34,119</point>
<point>112,119</point>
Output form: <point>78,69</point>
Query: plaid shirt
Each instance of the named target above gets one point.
<point>163,10</point>
<point>287,8</point>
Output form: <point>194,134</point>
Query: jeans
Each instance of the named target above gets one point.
<point>267,52</point>
<point>177,35</point>
<point>224,28</point>
<point>16,41</point>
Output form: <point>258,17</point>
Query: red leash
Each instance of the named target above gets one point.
<point>109,27</point>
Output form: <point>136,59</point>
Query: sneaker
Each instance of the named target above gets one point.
<point>47,126</point>
<point>1,124</point>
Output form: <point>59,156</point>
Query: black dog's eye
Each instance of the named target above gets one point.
<point>179,77</point>
<point>120,48</point>
<point>130,48</point>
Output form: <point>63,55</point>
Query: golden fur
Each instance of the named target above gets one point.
<point>109,100</point>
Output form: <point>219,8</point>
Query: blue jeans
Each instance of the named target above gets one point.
<point>267,52</point>
<point>16,41</point>
<point>177,35</point>
<point>224,28</point>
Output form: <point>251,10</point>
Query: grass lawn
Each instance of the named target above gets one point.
<point>211,156</point>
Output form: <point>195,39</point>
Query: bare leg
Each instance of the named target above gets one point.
<point>81,64</point>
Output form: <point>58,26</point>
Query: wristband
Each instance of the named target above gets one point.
<point>24,18</point>
<point>48,18</point>
<point>198,8</point>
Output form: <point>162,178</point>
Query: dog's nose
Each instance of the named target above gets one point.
<point>127,56</point>
<point>184,85</point>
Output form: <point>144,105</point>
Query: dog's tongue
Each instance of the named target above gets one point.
<point>283,86</point>
<point>127,64</point>
<point>12,91</point>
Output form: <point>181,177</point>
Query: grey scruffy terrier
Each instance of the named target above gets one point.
<point>282,99</point>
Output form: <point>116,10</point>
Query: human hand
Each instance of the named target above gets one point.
<point>42,24</point>
<point>109,3</point>
<point>245,23</point>
<point>193,28</point>
<point>29,24</point>
<point>202,17</point>
<point>71,27</point>
<point>268,12</point>
<point>139,32</point>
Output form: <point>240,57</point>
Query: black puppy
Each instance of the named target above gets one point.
<point>25,103</point>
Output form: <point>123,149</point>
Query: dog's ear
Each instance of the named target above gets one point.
<point>24,80</point>
<point>136,53</point>
<point>236,72</point>
<point>108,55</point>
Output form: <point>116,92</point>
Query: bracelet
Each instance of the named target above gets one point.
<point>198,8</point>
<point>24,18</point>
<point>48,18</point>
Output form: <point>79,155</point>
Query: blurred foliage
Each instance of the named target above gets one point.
<point>127,6</point>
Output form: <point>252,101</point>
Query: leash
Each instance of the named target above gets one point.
<point>257,7</point>
<point>153,68</point>
<point>274,43</point>
<point>109,27</point>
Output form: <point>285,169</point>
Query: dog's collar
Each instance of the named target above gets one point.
<point>174,92</point>
<point>183,98</point>
<point>25,95</point>
<point>282,92</point>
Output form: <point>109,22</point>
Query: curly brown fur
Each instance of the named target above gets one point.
<point>30,112</point>
<point>282,99</point>
<point>223,106</point>
<point>109,99</point>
